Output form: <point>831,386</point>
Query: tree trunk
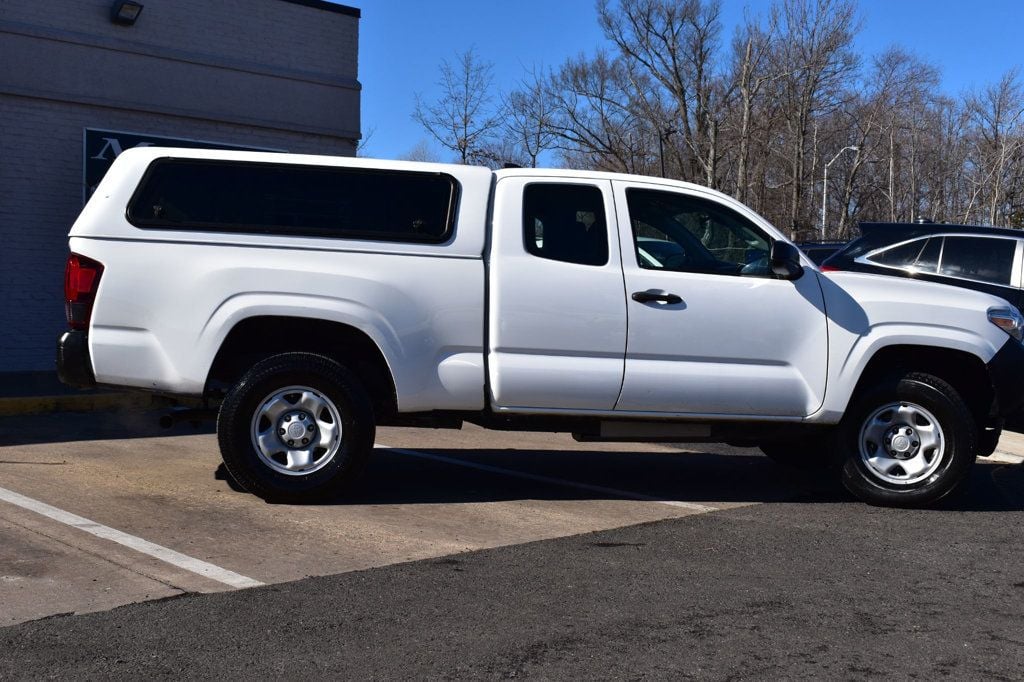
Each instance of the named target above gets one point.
<point>796,195</point>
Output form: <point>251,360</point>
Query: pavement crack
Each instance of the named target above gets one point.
<point>635,545</point>
<point>17,461</point>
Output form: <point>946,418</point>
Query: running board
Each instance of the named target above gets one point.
<point>632,431</point>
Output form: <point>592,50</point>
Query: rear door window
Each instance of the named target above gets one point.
<point>978,258</point>
<point>565,222</point>
<point>928,260</point>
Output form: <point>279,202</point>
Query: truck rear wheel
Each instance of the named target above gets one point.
<point>908,442</point>
<point>297,427</point>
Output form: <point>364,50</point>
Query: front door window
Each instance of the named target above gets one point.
<point>683,233</point>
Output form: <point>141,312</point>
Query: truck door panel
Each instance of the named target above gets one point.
<point>557,312</point>
<point>711,331</point>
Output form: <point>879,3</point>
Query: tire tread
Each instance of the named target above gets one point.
<point>962,441</point>
<point>233,423</point>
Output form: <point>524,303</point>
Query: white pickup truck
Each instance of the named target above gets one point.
<point>314,297</point>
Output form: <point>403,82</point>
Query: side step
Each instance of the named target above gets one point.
<point>632,431</point>
<point>193,415</point>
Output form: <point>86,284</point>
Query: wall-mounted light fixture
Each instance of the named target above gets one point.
<point>125,12</point>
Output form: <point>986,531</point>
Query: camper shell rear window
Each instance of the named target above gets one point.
<point>295,200</point>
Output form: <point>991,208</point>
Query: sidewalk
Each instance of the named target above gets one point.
<point>41,392</point>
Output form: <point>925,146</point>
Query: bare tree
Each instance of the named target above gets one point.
<point>817,60</point>
<point>364,141</point>
<point>751,71</point>
<point>674,42</point>
<point>758,121</point>
<point>884,120</point>
<point>421,151</point>
<point>461,119</point>
<point>996,114</point>
<point>529,113</point>
<point>945,162</point>
<point>595,122</point>
<point>499,153</point>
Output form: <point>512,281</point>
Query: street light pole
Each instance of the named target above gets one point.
<point>824,187</point>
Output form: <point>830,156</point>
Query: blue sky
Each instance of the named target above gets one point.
<point>402,43</point>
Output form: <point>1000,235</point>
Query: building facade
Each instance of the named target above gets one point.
<point>82,80</point>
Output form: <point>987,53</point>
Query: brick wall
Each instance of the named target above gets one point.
<point>41,131</point>
<point>267,32</point>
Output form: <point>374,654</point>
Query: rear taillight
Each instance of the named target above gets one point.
<point>828,268</point>
<point>81,279</point>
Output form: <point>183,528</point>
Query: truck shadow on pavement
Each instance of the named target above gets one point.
<point>695,476</point>
<point>65,427</point>
<point>704,474</point>
<point>701,478</point>
<point>395,478</point>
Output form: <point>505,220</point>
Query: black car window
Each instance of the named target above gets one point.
<point>983,259</point>
<point>685,233</point>
<point>565,222</point>
<point>928,260</point>
<point>902,256</point>
<point>295,200</point>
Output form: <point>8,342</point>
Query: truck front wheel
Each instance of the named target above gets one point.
<point>297,427</point>
<point>907,442</point>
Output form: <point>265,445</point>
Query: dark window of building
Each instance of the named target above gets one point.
<point>308,201</point>
<point>987,260</point>
<point>566,223</point>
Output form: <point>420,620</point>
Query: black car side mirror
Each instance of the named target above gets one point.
<point>784,261</point>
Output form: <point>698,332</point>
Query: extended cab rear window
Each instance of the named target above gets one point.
<point>288,199</point>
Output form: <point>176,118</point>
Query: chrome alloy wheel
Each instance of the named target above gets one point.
<point>901,443</point>
<point>296,430</point>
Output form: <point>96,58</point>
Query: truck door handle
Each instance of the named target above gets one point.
<point>652,295</point>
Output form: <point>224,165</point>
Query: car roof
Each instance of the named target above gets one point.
<point>878,235</point>
<point>908,230</point>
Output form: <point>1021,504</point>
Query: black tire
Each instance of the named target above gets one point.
<point>926,399</point>
<point>813,453</point>
<point>337,390</point>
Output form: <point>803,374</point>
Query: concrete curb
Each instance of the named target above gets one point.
<point>1010,449</point>
<point>1001,457</point>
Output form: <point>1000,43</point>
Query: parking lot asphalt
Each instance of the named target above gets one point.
<point>649,557</point>
<point>426,494</point>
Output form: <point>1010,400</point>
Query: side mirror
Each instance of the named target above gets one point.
<point>784,261</point>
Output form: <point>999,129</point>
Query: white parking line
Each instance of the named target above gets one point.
<point>208,570</point>
<point>692,506</point>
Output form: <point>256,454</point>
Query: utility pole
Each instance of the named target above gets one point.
<point>824,187</point>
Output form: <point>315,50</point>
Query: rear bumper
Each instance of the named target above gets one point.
<point>1006,371</point>
<point>74,366</point>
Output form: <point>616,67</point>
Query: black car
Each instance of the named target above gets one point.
<point>819,251</point>
<point>982,258</point>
